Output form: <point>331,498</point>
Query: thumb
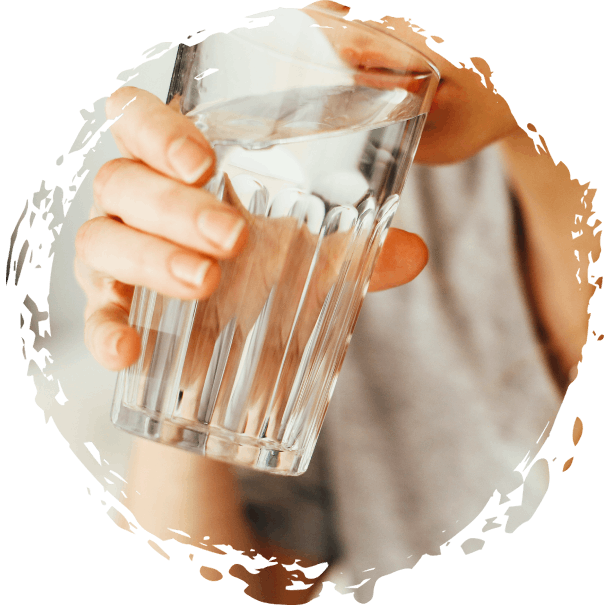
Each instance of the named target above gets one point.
<point>403,256</point>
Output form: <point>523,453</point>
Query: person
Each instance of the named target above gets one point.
<point>452,395</point>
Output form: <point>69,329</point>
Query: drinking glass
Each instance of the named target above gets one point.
<point>314,121</point>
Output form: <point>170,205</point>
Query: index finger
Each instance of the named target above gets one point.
<point>152,132</point>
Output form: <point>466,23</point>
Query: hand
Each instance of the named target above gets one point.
<point>153,225</point>
<point>465,115</point>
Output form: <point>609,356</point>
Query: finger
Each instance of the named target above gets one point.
<point>331,5</point>
<point>101,289</point>
<point>136,258</point>
<point>403,257</point>
<point>112,342</point>
<point>162,138</point>
<point>153,203</point>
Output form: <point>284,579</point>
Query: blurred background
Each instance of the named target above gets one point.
<point>84,419</point>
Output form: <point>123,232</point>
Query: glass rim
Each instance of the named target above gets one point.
<point>359,25</point>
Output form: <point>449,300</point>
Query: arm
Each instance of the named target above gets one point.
<point>144,231</point>
<point>548,202</point>
<point>170,488</point>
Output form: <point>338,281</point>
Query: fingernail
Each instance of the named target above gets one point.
<point>188,269</point>
<point>220,227</point>
<point>189,159</point>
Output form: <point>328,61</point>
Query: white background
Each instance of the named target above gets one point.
<point>88,388</point>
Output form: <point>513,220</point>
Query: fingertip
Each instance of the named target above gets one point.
<point>211,168</point>
<point>403,257</point>
<point>126,348</point>
<point>420,251</point>
<point>211,282</point>
<point>242,239</point>
<point>204,179</point>
<point>410,254</point>
<point>109,338</point>
<point>116,348</point>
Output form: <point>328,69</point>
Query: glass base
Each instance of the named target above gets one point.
<point>209,441</point>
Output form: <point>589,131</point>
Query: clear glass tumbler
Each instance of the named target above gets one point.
<point>315,121</point>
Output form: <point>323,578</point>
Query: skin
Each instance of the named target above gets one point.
<point>146,204</point>
<point>143,230</point>
<point>143,226</point>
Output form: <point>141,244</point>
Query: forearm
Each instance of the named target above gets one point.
<point>171,488</point>
<point>549,202</point>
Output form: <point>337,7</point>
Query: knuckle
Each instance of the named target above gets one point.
<point>116,293</point>
<point>81,275</point>
<point>86,239</point>
<point>172,194</point>
<point>174,209</point>
<point>163,126</point>
<point>105,175</point>
<point>112,106</point>
<point>115,103</point>
<point>94,331</point>
<point>90,308</point>
<point>109,106</point>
